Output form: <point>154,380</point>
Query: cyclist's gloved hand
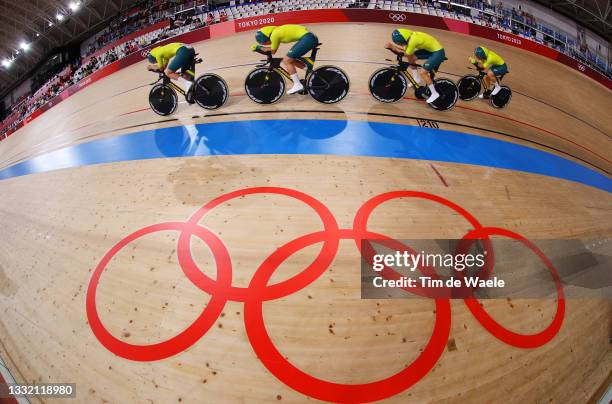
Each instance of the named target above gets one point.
<point>473,61</point>
<point>256,48</point>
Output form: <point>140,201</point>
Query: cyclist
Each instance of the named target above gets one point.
<point>494,66</point>
<point>171,58</point>
<point>269,39</point>
<point>419,45</point>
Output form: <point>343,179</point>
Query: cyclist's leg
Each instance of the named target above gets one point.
<point>492,74</point>
<point>189,71</point>
<point>185,61</point>
<point>299,49</point>
<point>433,62</point>
<point>413,70</point>
<point>291,61</point>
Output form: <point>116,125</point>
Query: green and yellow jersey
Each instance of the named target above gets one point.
<point>283,34</point>
<point>493,59</point>
<point>163,54</point>
<point>419,40</point>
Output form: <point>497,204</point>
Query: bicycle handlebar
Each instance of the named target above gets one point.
<point>400,56</point>
<point>161,75</point>
<point>268,56</point>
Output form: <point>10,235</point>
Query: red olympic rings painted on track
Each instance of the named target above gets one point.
<point>186,338</point>
<point>503,334</point>
<point>258,292</point>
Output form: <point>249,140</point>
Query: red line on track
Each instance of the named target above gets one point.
<point>133,112</point>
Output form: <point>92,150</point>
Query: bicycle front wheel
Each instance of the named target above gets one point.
<point>469,87</point>
<point>264,86</point>
<point>388,85</point>
<point>163,100</point>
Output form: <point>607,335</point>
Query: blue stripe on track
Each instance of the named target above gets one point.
<point>313,137</point>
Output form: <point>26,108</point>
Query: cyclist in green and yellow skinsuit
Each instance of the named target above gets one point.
<point>269,39</point>
<point>171,58</point>
<point>419,45</point>
<point>494,66</point>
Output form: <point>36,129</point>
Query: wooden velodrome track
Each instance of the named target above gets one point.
<point>58,225</point>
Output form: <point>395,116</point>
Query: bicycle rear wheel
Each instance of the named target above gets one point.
<point>448,95</point>
<point>388,85</point>
<point>163,100</point>
<point>422,92</point>
<point>210,91</point>
<point>328,84</point>
<point>501,99</point>
<point>469,87</point>
<point>264,86</point>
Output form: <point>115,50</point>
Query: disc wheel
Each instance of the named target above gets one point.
<point>328,84</point>
<point>388,85</point>
<point>469,87</point>
<point>448,95</point>
<point>264,86</point>
<point>210,91</point>
<point>501,99</point>
<point>163,100</point>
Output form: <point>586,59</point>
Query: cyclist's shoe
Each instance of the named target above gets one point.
<point>496,89</point>
<point>303,92</point>
<point>486,95</point>
<point>296,88</point>
<point>433,97</point>
<point>189,96</point>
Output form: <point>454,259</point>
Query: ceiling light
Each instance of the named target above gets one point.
<point>24,45</point>
<point>37,34</point>
<point>6,62</point>
<point>59,16</point>
<point>74,6</point>
<point>50,23</point>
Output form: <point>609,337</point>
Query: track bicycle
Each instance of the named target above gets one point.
<point>389,84</point>
<point>471,85</point>
<point>209,91</point>
<point>266,83</point>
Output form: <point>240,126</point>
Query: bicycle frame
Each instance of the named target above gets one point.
<point>168,81</point>
<point>481,76</point>
<point>275,63</point>
<point>402,67</point>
